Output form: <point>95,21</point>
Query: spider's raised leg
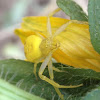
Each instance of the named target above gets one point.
<point>55,11</point>
<point>64,26</point>
<point>48,21</point>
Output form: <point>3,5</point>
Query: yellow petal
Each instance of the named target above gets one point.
<point>75,46</point>
<point>23,34</point>
<point>39,24</point>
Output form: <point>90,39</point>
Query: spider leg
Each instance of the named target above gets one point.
<point>41,70</point>
<point>48,21</point>
<point>55,11</point>
<point>63,27</point>
<point>57,70</point>
<point>59,93</point>
<point>49,27</point>
<point>50,68</point>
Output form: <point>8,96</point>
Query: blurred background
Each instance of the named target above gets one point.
<point>11,13</point>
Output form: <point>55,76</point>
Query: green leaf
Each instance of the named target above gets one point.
<point>20,74</point>
<point>72,9</point>
<point>93,95</point>
<point>94,23</point>
<point>10,92</point>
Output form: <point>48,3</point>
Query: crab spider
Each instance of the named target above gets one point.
<point>46,47</point>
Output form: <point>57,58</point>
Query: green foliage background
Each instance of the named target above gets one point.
<point>20,74</point>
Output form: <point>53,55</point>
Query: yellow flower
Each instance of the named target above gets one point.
<point>75,46</point>
<point>66,41</point>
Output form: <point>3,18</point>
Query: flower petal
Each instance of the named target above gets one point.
<point>75,45</point>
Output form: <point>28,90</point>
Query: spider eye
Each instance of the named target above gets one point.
<point>31,48</point>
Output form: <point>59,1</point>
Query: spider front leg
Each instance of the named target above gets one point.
<point>48,21</point>
<point>50,68</point>
<point>64,26</point>
<point>41,70</point>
